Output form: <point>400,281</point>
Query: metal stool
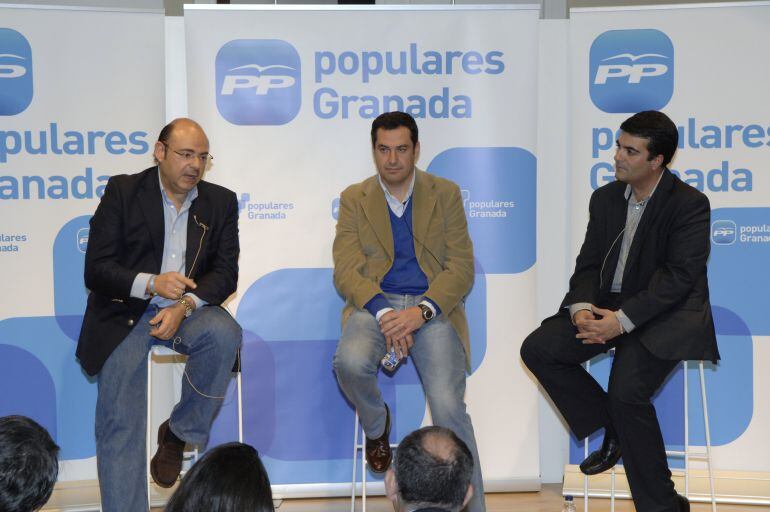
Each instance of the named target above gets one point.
<point>163,351</point>
<point>360,446</point>
<point>686,453</point>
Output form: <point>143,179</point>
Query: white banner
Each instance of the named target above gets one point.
<point>81,99</point>
<point>287,97</point>
<point>703,66</point>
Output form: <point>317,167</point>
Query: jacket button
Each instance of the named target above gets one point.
<point>130,322</point>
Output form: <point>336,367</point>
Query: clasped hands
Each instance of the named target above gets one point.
<point>170,285</point>
<point>398,328</point>
<point>597,325</point>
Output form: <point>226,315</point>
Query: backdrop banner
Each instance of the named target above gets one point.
<point>698,64</point>
<point>287,96</point>
<point>81,99</point>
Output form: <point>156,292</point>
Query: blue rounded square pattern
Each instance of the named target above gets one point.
<point>631,70</point>
<point>258,82</point>
<point>16,86</point>
<point>498,187</point>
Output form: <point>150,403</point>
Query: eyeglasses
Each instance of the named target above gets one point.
<point>189,156</point>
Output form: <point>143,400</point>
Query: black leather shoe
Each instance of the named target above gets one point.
<point>167,462</point>
<point>602,459</point>
<point>684,503</point>
<point>378,453</point>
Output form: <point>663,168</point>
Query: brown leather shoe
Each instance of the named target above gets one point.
<point>167,462</point>
<point>378,453</point>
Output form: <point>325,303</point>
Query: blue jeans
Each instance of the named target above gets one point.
<point>210,337</point>
<point>439,358</point>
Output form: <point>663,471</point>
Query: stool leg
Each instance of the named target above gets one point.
<point>708,436</point>
<point>148,434</point>
<point>612,489</point>
<point>686,432</point>
<point>239,385</point>
<point>363,475</point>
<point>585,454</point>
<point>355,460</point>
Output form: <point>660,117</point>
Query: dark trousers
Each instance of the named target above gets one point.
<point>554,356</point>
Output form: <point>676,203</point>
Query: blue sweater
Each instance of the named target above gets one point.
<point>405,277</point>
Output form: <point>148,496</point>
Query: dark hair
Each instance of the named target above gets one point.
<point>28,464</point>
<point>393,120</point>
<point>229,478</point>
<point>166,131</point>
<point>164,135</point>
<point>658,129</point>
<point>428,478</point>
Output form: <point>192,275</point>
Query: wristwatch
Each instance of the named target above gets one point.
<point>427,313</point>
<point>188,307</point>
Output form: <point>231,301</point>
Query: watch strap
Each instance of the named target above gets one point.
<point>188,307</point>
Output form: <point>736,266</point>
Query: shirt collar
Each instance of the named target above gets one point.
<point>393,202</point>
<point>191,195</point>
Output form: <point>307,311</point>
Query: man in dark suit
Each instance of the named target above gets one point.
<point>639,286</point>
<point>162,257</point>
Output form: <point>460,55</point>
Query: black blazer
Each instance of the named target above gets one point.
<point>126,237</point>
<point>665,288</point>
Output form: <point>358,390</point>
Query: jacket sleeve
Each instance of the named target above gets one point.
<point>455,279</point>
<point>220,278</point>
<point>687,252</point>
<point>584,283</point>
<point>103,272</point>
<point>349,259</point>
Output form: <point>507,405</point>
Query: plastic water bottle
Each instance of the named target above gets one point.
<point>569,504</point>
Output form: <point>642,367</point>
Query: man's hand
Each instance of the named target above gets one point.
<point>401,346</point>
<point>172,285</point>
<point>601,330</point>
<point>581,317</point>
<point>397,324</point>
<point>167,321</point>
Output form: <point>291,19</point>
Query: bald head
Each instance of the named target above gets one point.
<point>440,446</point>
<point>433,468</point>
<point>182,154</point>
<point>183,125</point>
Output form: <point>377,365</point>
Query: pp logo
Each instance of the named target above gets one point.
<point>258,82</point>
<point>723,232</point>
<point>15,72</point>
<point>82,239</point>
<point>631,70</point>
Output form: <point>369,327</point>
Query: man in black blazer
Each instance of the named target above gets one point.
<point>162,257</point>
<point>640,287</point>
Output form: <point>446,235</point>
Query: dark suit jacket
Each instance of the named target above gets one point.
<point>126,237</point>
<point>665,289</point>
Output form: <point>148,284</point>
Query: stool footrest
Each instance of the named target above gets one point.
<point>691,455</point>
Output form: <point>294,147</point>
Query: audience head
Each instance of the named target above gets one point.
<point>433,468</point>
<point>228,478</point>
<point>28,464</point>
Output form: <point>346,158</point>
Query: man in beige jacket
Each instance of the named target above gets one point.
<point>403,261</point>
